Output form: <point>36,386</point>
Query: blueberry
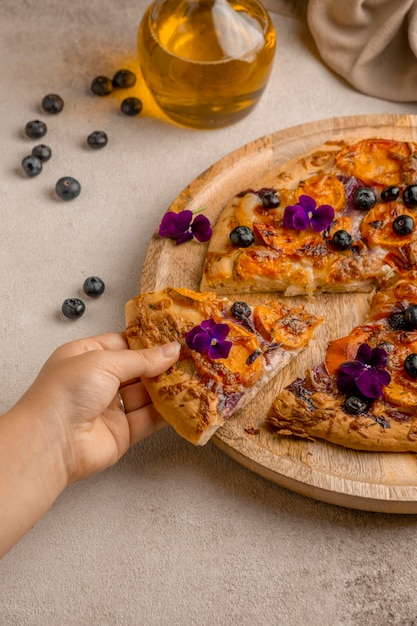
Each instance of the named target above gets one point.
<point>410,196</point>
<point>341,240</point>
<point>270,200</point>
<point>241,310</point>
<point>123,79</point>
<point>131,106</point>
<point>73,308</point>
<point>242,236</point>
<point>410,316</point>
<point>52,103</point>
<point>410,365</point>
<point>389,194</point>
<point>97,139</point>
<point>93,286</point>
<point>67,188</point>
<point>403,225</point>
<point>355,406</point>
<point>43,152</point>
<point>364,198</point>
<point>397,321</point>
<point>35,129</point>
<point>102,86</point>
<point>32,165</point>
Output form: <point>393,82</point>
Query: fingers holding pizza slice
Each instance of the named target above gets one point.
<point>229,352</point>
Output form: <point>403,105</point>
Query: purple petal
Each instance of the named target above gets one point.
<point>220,350</point>
<point>295,217</point>
<point>352,368</point>
<point>201,228</point>
<point>207,324</point>
<point>322,218</point>
<point>307,203</point>
<point>220,331</point>
<point>202,342</point>
<point>364,354</point>
<point>175,224</point>
<point>189,337</point>
<point>288,215</point>
<point>183,220</point>
<point>346,384</point>
<point>382,376</point>
<point>301,221</point>
<point>379,358</point>
<point>167,227</point>
<point>187,236</point>
<point>369,384</point>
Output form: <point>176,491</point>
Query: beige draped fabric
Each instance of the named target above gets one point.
<point>371,43</point>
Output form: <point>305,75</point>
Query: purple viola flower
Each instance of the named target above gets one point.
<point>181,227</point>
<point>305,214</point>
<point>209,338</point>
<point>365,374</point>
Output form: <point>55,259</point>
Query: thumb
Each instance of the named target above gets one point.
<point>128,364</point>
<point>153,361</point>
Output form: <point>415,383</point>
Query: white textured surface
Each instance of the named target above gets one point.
<point>173,535</point>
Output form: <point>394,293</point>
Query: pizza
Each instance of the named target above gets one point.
<point>364,394</point>
<point>338,219</point>
<point>229,352</point>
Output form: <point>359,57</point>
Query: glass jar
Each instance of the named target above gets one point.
<point>206,62</point>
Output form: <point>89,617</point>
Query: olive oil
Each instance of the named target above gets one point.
<point>206,62</point>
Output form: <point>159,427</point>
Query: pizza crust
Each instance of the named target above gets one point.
<point>290,415</point>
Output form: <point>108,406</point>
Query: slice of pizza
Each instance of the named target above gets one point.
<point>229,351</point>
<point>364,394</point>
<point>339,219</point>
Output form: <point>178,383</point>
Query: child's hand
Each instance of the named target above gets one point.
<point>76,396</point>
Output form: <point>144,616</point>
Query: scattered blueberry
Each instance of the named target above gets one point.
<point>43,152</point>
<point>389,194</point>
<point>32,165</point>
<point>97,139</point>
<point>341,240</point>
<point>93,286</point>
<point>410,365</point>
<point>67,188</point>
<point>410,196</point>
<point>35,129</point>
<point>124,79</point>
<point>131,106</point>
<point>52,103</point>
<point>364,198</point>
<point>242,236</point>
<point>403,225</point>
<point>102,86</point>
<point>73,308</point>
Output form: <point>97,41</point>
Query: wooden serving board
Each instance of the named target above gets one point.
<point>384,482</point>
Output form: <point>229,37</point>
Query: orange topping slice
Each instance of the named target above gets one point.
<point>325,189</point>
<point>376,227</point>
<point>374,161</point>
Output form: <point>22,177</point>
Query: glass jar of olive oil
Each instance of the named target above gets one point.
<point>206,62</point>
